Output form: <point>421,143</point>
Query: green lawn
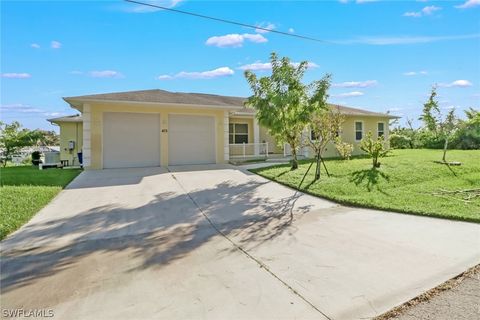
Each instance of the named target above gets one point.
<point>405,182</point>
<point>24,190</point>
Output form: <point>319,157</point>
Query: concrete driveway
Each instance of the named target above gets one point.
<point>216,242</point>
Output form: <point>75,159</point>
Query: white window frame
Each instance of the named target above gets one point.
<point>355,129</point>
<point>234,133</point>
<point>384,131</point>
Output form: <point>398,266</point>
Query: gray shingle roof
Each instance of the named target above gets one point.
<point>162,96</point>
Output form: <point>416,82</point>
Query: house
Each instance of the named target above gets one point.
<point>160,128</point>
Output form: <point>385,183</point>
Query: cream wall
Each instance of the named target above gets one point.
<point>70,131</point>
<point>96,123</point>
<point>369,124</point>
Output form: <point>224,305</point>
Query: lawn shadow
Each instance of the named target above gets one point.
<point>371,178</point>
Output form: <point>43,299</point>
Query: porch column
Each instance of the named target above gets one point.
<point>86,149</point>
<point>256,136</point>
<point>226,146</point>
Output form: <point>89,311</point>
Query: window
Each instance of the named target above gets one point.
<point>313,136</point>
<point>237,133</point>
<point>358,130</point>
<point>381,129</point>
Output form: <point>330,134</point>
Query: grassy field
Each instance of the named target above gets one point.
<point>24,190</point>
<point>407,181</point>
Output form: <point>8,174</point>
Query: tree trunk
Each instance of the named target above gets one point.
<point>294,158</point>
<point>317,168</point>
<point>445,146</point>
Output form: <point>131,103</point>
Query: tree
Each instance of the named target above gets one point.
<point>48,138</point>
<point>13,137</point>
<point>447,129</point>
<point>374,148</point>
<point>283,103</point>
<point>325,126</point>
<point>468,135</point>
<point>442,128</point>
<point>431,112</point>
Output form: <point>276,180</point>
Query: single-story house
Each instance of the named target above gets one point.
<point>160,128</point>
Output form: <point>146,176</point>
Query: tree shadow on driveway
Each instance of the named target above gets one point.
<point>162,231</point>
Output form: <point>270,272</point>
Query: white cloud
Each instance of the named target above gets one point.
<point>412,14</point>
<point>147,9</point>
<point>469,4</point>
<point>105,74</point>
<point>415,73</point>
<point>265,25</point>
<point>291,30</point>
<point>356,84</point>
<point>426,11</point>
<point>404,40</point>
<point>234,40</point>
<point>265,66</point>
<point>13,75</point>
<point>35,45</point>
<point>55,44</point>
<point>211,74</point>
<point>349,94</point>
<point>457,84</point>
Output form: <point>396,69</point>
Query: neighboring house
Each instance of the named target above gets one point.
<point>160,128</point>
<point>71,137</point>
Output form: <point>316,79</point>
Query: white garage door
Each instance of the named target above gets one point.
<point>191,139</point>
<point>131,140</point>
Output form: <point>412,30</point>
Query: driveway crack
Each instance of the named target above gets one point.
<point>246,253</point>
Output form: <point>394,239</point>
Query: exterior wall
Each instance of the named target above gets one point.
<point>71,131</point>
<point>347,134</point>
<point>96,130</point>
<point>272,144</point>
<point>369,124</point>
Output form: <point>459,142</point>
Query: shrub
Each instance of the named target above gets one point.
<point>374,148</point>
<point>400,141</point>
<point>344,149</point>
<point>36,158</point>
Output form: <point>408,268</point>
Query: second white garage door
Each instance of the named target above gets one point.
<point>131,140</point>
<point>191,139</point>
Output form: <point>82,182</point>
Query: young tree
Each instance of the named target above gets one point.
<point>448,128</point>
<point>282,101</point>
<point>325,126</point>
<point>443,129</point>
<point>431,112</point>
<point>374,148</point>
<point>13,138</point>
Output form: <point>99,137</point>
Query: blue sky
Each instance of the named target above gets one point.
<point>384,55</point>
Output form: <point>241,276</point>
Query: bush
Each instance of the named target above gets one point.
<point>467,138</point>
<point>36,158</point>
<point>374,148</point>
<point>344,149</point>
<point>400,141</point>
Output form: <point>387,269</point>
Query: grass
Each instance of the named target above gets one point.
<point>408,181</point>
<point>24,190</point>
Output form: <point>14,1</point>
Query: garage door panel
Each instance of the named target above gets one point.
<point>131,140</point>
<point>191,139</point>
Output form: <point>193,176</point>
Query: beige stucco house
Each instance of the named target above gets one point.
<point>160,128</point>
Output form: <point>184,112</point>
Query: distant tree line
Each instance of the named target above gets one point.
<point>439,131</point>
<point>14,137</point>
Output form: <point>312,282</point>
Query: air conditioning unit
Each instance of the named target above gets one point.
<point>51,158</point>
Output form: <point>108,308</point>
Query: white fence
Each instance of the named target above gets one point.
<point>248,150</point>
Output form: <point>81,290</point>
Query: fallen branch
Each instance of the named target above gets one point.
<point>466,195</point>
